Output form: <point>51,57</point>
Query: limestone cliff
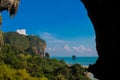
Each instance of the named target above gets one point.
<point>9,5</point>
<point>105,15</point>
<point>25,43</point>
<point>1,39</point>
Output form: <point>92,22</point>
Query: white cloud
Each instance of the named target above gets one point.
<point>46,35</point>
<point>61,47</point>
<point>50,38</point>
<point>67,48</point>
<point>77,49</point>
<point>51,49</point>
<point>81,48</point>
<point>21,31</point>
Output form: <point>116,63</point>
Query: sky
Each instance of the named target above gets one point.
<point>63,24</point>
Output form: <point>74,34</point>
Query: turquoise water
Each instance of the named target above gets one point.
<point>80,60</point>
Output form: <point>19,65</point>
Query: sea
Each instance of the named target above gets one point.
<point>86,61</point>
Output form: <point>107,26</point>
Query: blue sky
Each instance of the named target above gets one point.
<point>63,24</point>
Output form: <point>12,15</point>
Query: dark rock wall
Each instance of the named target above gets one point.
<point>105,16</point>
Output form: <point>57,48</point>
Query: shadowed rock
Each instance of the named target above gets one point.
<point>10,5</point>
<point>105,15</point>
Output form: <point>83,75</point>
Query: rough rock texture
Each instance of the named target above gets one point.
<point>1,39</point>
<point>105,16</point>
<point>25,43</point>
<point>9,5</point>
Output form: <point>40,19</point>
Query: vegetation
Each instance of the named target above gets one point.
<point>24,66</point>
<point>25,44</point>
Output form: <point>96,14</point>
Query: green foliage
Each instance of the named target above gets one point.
<point>37,44</point>
<point>6,73</point>
<point>16,63</point>
<point>77,69</point>
<point>60,77</point>
<point>28,67</point>
<point>36,41</point>
<point>24,44</point>
<point>17,41</point>
<point>23,74</point>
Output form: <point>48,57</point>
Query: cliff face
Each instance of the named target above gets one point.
<point>105,15</point>
<point>1,40</point>
<point>25,44</point>
<point>9,5</point>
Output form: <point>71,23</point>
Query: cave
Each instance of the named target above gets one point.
<point>105,15</point>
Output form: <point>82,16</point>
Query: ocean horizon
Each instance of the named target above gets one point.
<point>86,61</point>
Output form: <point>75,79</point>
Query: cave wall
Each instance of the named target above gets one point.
<point>105,16</point>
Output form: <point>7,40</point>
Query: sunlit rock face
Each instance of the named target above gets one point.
<point>105,16</point>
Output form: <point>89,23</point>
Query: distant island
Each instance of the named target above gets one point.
<point>73,57</point>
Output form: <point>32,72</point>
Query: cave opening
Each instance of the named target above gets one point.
<point>105,18</point>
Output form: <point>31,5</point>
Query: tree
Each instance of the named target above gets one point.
<point>60,77</point>
<point>23,74</point>
<point>6,73</point>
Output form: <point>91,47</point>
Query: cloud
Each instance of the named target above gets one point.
<point>67,48</point>
<point>50,38</point>
<point>81,48</point>
<point>61,47</point>
<point>77,49</point>
<point>46,35</point>
<point>21,31</point>
<point>51,49</point>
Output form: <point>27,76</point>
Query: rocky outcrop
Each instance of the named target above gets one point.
<point>1,39</point>
<point>9,5</point>
<point>25,43</point>
<point>105,15</point>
